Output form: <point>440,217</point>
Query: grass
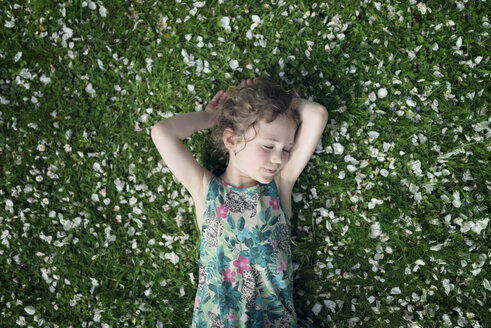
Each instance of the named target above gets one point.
<point>389,224</point>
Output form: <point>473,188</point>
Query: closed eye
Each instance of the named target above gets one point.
<point>271,147</point>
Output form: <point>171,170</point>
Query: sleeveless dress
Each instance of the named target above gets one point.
<point>245,264</point>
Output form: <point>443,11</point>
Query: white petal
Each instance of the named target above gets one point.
<point>459,42</point>
<point>102,11</point>
<point>317,308</point>
<point>486,284</point>
<point>225,21</point>
<point>395,290</point>
<point>373,134</point>
<point>331,305</point>
<point>382,93</point>
<point>410,103</point>
<point>45,79</point>
<point>338,148</point>
<point>234,64</point>
<point>30,309</point>
<point>17,56</point>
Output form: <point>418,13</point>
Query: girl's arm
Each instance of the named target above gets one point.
<point>314,118</point>
<point>167,136</point>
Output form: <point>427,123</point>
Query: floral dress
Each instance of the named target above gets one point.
<point>245,265</point>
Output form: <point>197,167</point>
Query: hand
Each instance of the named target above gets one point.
<point>212,107</point>
<point>247,82</point>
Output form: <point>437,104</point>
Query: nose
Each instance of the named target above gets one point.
<point>275,158</point>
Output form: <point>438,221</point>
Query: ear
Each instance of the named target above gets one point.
<point>229,139</point>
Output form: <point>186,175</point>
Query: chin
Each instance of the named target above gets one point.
<point>267,180</point>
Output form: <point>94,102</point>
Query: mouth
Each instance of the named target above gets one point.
<point>270,171</point>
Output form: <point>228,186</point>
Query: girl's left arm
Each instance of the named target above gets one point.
<point>314,118</point>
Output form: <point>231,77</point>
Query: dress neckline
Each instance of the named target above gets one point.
<point>255,187</point>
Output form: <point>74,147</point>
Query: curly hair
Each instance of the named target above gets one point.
<point>261,101</point>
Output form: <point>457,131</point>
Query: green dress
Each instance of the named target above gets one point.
<point>245,264</point>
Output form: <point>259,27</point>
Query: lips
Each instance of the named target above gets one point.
<point>270,171</point>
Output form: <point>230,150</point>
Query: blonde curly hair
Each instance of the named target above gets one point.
<point>244,107</point>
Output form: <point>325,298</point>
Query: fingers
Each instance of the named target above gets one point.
<point>247,82</point>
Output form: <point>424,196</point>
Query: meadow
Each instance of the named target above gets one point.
<point>390,215</point>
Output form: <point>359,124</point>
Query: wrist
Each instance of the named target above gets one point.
<point>211,118</point>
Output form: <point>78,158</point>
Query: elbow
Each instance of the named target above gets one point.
<point>323,113</point>
<point>157,129</point>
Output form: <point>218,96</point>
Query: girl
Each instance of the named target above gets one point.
<point>245,265</point>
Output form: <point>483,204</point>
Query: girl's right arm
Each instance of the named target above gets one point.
<point>167,136</point>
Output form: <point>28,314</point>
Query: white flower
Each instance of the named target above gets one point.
<point>190,87</point>
<point>382,93</point>
<point>317,308</point>
<point>384,173</point>
<point>234,64</point>
<point>395,291</point>
<point>92,5</point>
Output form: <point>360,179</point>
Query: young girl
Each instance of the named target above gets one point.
<point>245,265</point>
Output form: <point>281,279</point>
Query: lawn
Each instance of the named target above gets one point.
<point>390,215</point>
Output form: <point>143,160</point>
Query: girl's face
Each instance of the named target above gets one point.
<point>264,156</point>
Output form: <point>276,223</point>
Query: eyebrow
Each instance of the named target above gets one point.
<point>273,139</point>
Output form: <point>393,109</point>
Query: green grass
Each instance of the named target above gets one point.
<point>378,232</point>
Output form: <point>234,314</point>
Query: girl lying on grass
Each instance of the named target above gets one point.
<point>245,264</point>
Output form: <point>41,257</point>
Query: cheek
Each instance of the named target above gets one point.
<point>261,155</point>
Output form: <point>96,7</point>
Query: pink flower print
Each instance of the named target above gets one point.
<point>228,275</point>
<point>274,243</point>
<point>275,203</point>
<point>242,264</point>
<point>282,266</point>
<point>196,302</point>
<point>230,317</point>
<point>222,211</point>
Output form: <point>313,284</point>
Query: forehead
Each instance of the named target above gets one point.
<point>280,130</point>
